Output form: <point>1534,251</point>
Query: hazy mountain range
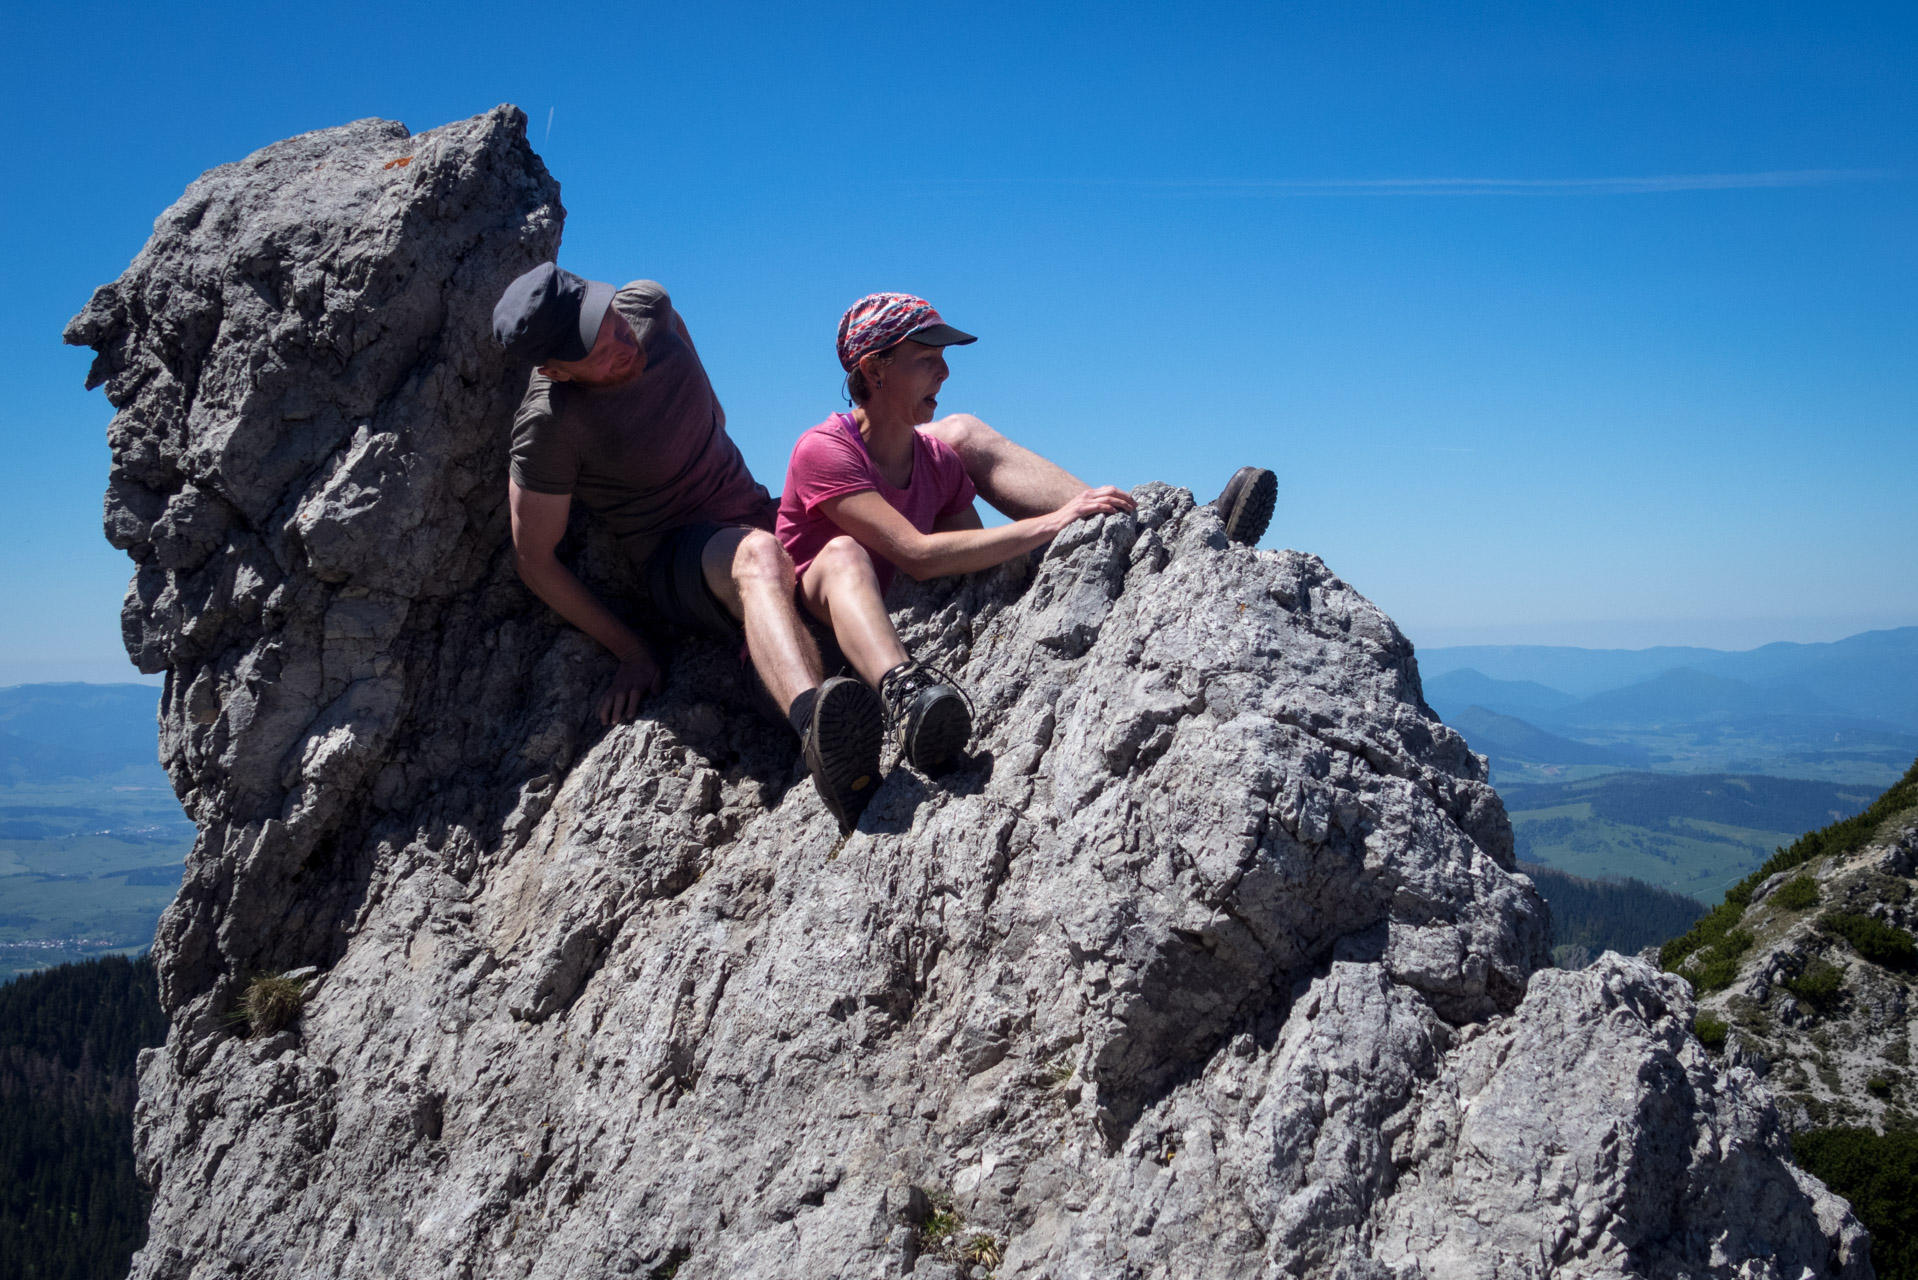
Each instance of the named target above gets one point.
<point>54,731</point>
<point>1872,675</point>
<point>1842,712</point>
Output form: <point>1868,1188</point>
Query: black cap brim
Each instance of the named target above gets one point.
<point>940,335</point>
<point>594,302</point>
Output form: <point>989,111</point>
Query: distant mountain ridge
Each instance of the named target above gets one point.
<point>71,730</point>
<point>1509,740</point>
<point>1688,694</point>
<point>1579,673</point>
<point>1840,712</point>
<point>1453,691</point>
<point>1872,675</point>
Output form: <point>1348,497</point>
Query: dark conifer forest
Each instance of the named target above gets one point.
<point>1610,915</point>
<point>70,1207</point>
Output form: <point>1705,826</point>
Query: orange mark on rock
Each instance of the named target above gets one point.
<point>400,163</point>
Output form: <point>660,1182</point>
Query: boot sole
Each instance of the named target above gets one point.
<point>842,747</point>
<point>940,735</point>
<point>1250,515</point>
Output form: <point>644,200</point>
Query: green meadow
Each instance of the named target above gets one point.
<point>1695,834</point>
<point>86,866</point>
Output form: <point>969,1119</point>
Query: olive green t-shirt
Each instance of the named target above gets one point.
<point>650,456</point>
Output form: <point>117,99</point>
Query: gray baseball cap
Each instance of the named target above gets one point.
<point>550,314</point>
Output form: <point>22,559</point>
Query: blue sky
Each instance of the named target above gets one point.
<point>1585,324</point>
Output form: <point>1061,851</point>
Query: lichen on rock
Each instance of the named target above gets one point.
<point>1211,958</point>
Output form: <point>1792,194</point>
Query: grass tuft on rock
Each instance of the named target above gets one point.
<point>271,1003</point>
<point>981,1250</point>
<point>939,1226</point>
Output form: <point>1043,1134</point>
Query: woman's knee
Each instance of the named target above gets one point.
<point>844,556</point>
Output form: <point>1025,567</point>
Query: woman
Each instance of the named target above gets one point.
<point>868,492</point>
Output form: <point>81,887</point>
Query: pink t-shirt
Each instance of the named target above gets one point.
<point>830,461</point>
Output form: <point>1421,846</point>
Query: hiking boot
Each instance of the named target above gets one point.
<point>842,747</point>
<point>1246,504</point>
<point>930,718</point>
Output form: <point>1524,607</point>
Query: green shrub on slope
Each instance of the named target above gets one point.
<point>1873,939</point>
<point>1796,895</point>
<point>1711,1032</point>
<point>1819,984</point>
<point>1878,1173</point>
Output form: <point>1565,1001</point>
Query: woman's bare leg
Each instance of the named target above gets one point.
<point>842,590</point>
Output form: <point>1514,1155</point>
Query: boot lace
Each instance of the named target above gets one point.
<point>899,685</point>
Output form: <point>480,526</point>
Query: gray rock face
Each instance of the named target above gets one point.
<point>1210,961</point>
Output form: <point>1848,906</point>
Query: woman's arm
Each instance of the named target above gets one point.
<point>875,525</point>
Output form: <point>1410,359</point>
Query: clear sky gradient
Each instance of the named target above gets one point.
<point>1585,324</point>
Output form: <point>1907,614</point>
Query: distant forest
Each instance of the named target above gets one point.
<point>70,1208</point>
<point>1736,800</point>
<point>1610,915</point>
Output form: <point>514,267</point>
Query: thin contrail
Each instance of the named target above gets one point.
<point>1653,184</point>
<point>549,127</point>
<point>1646,185</point>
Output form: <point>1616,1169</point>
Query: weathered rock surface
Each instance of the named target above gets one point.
<point>1211,961</point>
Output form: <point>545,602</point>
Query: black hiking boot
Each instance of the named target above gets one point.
<point>1246,504</point>
<point>930,718</point>
<point>842,746</point>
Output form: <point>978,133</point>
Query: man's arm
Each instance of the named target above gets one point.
<point>539,522</point>
<point>877,526</point>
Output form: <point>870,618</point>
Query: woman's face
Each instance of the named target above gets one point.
<point>906,386</point>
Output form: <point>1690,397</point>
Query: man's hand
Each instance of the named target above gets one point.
<point>638,676</point>
<point>1093,502</point>
<point>539,520</point>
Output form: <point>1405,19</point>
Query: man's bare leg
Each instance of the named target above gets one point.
<point>753,577</point>
<point>1021,483</point>
<point>1010,476</point>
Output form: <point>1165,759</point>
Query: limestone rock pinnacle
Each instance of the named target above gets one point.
<point>1211,961</point>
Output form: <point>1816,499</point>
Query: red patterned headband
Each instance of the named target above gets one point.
<point>879,320</point>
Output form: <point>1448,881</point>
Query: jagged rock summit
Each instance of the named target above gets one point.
<point>1210,961</point>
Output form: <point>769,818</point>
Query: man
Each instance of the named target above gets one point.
<point>619,411</point>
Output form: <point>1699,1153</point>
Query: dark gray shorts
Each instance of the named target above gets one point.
<point>676,581</point>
